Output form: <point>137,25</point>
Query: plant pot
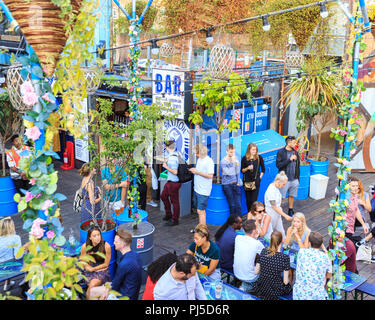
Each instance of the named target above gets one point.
<point>143,243</point>
<point>8,206</point>
<point>304,181</point>
<point>123,217</point>
<point>217,211</point>
<point>108,236</point>
<point>42,27</point>
<point>319,166</point>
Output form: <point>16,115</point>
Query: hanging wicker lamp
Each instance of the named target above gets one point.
<point>14,81</point>
<point>42,27</point>
<point>166,50</point>
<point>294,59</point>
<point>92,77</point>
<point>221,61</point>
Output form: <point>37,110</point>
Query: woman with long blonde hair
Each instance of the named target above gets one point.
<point>252,167</point>
<point>297,235</point>
<point>274,268</point>
<point>10,243</point>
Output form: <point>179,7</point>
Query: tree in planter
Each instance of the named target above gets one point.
<point>10,123</point>
<point>214,100</point>
<point>319,97</point>
<point>124,150</point>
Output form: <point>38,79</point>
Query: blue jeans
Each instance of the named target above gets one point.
<point>248,286</point>
<point>233,194</point>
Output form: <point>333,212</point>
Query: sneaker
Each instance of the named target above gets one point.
<point>290,212</point>
<point>152,204</point>
<point>359,243</point>
<point>171,223</point>
<point>167,218</point>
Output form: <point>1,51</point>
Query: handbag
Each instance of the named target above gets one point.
<point>364,253</point>
<point>78,199</point>
<point>204,268</point>
<point>250,186</point>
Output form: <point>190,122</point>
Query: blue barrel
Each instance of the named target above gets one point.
<point>108,236</point>
<point>142,242</point>
<point>217,211</point>
<point>304,182</point>
<point>7,191</point>
<point>123,217</point>
<point>319,167</point>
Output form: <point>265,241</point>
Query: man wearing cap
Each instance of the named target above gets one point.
<point>288,161</point>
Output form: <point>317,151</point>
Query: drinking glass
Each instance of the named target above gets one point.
<point>218,289</point>
<point>207,288</point>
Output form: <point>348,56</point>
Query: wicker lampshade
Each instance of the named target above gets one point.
<point>221,61</point>
<point>167,50</point>
<point>14,81</point>
<point>92,80</point>
<point>294,59</point>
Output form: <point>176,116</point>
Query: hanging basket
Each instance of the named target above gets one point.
<point>14,81</point>
<point>294,59</point>
<point>42,27</point>
<point>221,62</point>
<point>166,50</point>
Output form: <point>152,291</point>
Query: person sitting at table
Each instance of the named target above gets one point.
<point>154,271</point>
<point>10,243</point>
<point>206,252</point>
<point>297,235</point>
<point>313,269</point>
<point>273,267</point>
<point>262,219</point>
<point>225,238</point>
<point>180,281</point>
<point>97,272</point>
<point>246,248</point>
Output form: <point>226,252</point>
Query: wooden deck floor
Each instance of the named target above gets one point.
<point>178,237</point>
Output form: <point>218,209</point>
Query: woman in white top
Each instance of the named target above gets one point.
<point>262,219</point>
<point>10,243</point>
<point>272,201</point>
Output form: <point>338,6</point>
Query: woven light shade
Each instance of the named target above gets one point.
<point>167,50</point>
<point>221,62</point>
<point>294,59</point>
<point>14,81</point>
<point>42,27</point>
<point>92,80</point>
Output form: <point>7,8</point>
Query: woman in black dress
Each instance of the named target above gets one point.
<point>252,167</point>
<point>274,268</point>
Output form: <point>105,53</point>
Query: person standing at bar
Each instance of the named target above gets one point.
<point>287,160</point>
<point>252,167</point>
<point>231,181</point>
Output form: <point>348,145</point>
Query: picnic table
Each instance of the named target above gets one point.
<point>352,282</point>
<point>229,292</point>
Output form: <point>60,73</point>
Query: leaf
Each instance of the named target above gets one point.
<point>51,188</point>
<point>60,241</point>
<point>22,205</point>
<point>60,197</point>
<point>37,71</point>
<point>20,252</point>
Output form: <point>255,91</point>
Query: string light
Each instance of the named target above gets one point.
<point>323,10</point>
<point>266,25</point>
<point>209,37</point>
<point>154,47</point>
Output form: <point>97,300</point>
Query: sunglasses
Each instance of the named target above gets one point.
<point>260,211</point>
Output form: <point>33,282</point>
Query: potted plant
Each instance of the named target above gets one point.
<point>319,98</point>
<point>10,123</point>
<point>214,99</point>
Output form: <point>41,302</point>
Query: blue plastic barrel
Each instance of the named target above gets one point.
<point>304,182</point>
<point>217,211</point>
<point>319,167</point>
<point>108,236</point>
<point>7,191</point>
<point>123,217</point>
<point>142,243</point>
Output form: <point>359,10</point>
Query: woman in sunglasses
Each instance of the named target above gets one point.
<point>262,219</point>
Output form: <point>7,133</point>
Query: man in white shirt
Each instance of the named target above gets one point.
<point>180,281</point>
<point>203,174</point>
<point>246,248</point>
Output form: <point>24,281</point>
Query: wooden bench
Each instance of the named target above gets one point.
<point>366,288</point>
<point>226,276</point>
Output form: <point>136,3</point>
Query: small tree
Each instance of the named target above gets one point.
<point>10,123</point>
<point>214,99</point>
<point>319,97</point>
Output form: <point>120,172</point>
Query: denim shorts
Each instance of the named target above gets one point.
<point>200,201</point>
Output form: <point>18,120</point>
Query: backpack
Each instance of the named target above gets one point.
<point>78,199</point>
<point>183,173</point>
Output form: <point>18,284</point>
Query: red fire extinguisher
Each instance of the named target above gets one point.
<point>66,161</point>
